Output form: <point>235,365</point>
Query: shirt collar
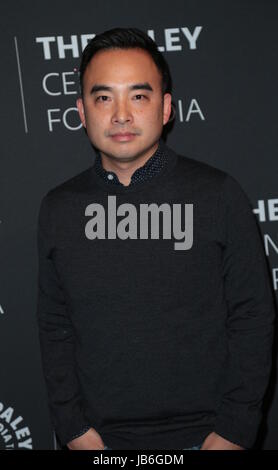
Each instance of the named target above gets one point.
<point>152,166</point>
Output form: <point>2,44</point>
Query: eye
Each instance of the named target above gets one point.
<point>102,96</point>
<point>140,95</point>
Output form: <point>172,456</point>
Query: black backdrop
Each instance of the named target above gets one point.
<point>223,59</point>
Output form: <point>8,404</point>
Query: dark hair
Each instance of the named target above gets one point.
<point>126,38</point>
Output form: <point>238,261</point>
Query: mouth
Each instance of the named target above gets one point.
<point>123,136</point>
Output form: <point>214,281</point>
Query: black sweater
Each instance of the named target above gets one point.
<point>145,172</point>
<point>160,331</point>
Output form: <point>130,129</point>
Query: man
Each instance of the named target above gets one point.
<point>155,309</point>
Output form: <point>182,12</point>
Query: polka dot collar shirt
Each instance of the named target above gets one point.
<point>152,166</point>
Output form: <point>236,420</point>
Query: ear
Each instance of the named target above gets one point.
<point>167,100</point>
<point>80,107</point>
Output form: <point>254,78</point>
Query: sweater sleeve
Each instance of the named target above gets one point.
<point>56,337</point>
<point>250,319</point>
<point>80,432</point>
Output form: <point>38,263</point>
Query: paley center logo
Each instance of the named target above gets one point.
<point>14,433</point>
<point>128,226</point>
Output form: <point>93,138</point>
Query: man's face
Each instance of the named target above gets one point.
<point>121,109</point>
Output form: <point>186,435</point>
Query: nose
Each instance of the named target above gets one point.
<point>122,113</point>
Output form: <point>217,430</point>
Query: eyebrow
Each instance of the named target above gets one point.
<point>136,86</point>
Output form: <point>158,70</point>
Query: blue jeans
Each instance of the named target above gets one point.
<point>197,447</point>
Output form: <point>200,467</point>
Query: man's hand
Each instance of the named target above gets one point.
<point>90,440</point>
<point>215,442</point>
